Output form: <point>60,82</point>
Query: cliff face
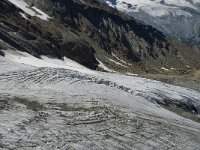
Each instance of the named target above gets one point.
<point>40,37</point>
<point>85,30</point>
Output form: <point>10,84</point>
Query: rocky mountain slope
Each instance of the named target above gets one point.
<point>179,18</point>
<point>92,34</point>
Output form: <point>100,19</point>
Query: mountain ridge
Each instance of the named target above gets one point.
<point>85,31</point>
<point>174,18</point>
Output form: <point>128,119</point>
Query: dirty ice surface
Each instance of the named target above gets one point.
<point>54,104</point>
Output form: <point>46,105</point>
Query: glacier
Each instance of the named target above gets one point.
<point>58,104</point>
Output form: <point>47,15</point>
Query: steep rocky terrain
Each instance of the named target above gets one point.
<point>91,33</point>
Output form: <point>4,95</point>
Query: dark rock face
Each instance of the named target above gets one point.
<point>110,29</point>
<point>1,53</point>
<point>38,37</point>
<point>79,52</point>
<point>83,30</point>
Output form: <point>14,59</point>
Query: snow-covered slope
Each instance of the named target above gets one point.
<point>57,107</point>
<point>180,18</point>
<point>45,61</point>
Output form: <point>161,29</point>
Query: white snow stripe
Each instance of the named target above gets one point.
<point>101,65</point>
<point>31,11</point>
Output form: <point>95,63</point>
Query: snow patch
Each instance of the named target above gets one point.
<point>41,14</point>
<point>120,59</point>
<point>25,58</point>
<point>33,11</point>
<point>165,69</point>
<point>173,68</point>
<point>101,65</point>
<point>117,63</point>
<point>23,15</point>
<point>188,66</point>
<point>131,74</point>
